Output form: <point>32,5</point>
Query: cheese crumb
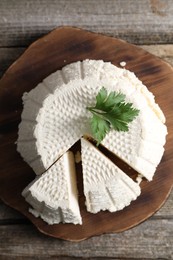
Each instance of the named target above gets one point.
<point>122,63</point>
<point>139,178</point>
<point>77,157</point>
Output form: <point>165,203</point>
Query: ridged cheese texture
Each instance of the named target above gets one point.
<point>53,195</point>
<point>106,187</point>
<point>55,117</point>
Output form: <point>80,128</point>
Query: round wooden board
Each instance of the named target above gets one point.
<point>48,54</point>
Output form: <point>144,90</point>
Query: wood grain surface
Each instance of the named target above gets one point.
<point>21,22</point>
<point>138,243</point>
<point>63,46</point>
<point>140,22</point>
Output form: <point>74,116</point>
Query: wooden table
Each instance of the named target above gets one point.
<point>147,23</point>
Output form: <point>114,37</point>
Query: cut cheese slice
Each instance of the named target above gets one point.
<point>140,147</point>
<point>106,187</point>
<point>60,119</point>
<point>53,195</point>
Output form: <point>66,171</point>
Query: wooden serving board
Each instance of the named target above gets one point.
<point>48,54</point>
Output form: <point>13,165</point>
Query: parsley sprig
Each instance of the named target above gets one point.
<point>110,111</point>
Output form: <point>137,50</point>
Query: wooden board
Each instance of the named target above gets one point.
<point>52,52</point>
<point>140,22</point>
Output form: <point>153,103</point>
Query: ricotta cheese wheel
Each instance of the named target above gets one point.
<point>106,187</point>
<point>53,195</point>
<point>55,117</point>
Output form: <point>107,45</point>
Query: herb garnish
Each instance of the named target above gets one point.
<point>110,111</point>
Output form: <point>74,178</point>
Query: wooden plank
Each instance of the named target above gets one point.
<point>152,239</point>
<point>142,21</point>
<point>167,209</point>
<point>165,52</point>
<point>160,50</point>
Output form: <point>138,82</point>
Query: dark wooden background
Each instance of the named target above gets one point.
<point>143,22</point>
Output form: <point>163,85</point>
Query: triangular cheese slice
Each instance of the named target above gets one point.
<point>106,187</point>
<point>53,122</point>
<point>53,195</point>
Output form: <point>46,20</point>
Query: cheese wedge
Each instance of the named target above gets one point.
<point>106,187</point>
<point>53,195</point>
<point>53,122</point>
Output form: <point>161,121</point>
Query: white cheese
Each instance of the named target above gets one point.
<point>53,195</point>
<point>61,119</point>
<point>122,63</point>
<point>106,187</point>
<point>138,149</point>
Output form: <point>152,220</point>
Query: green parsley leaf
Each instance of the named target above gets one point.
<point>110,111</point>
<point>99,128</point>
<point>101,97</point>
<point>106,102</point>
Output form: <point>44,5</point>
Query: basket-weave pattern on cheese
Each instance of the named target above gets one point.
<point>55,117</point>
<point>53,195</point>
<point>106,187</point>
